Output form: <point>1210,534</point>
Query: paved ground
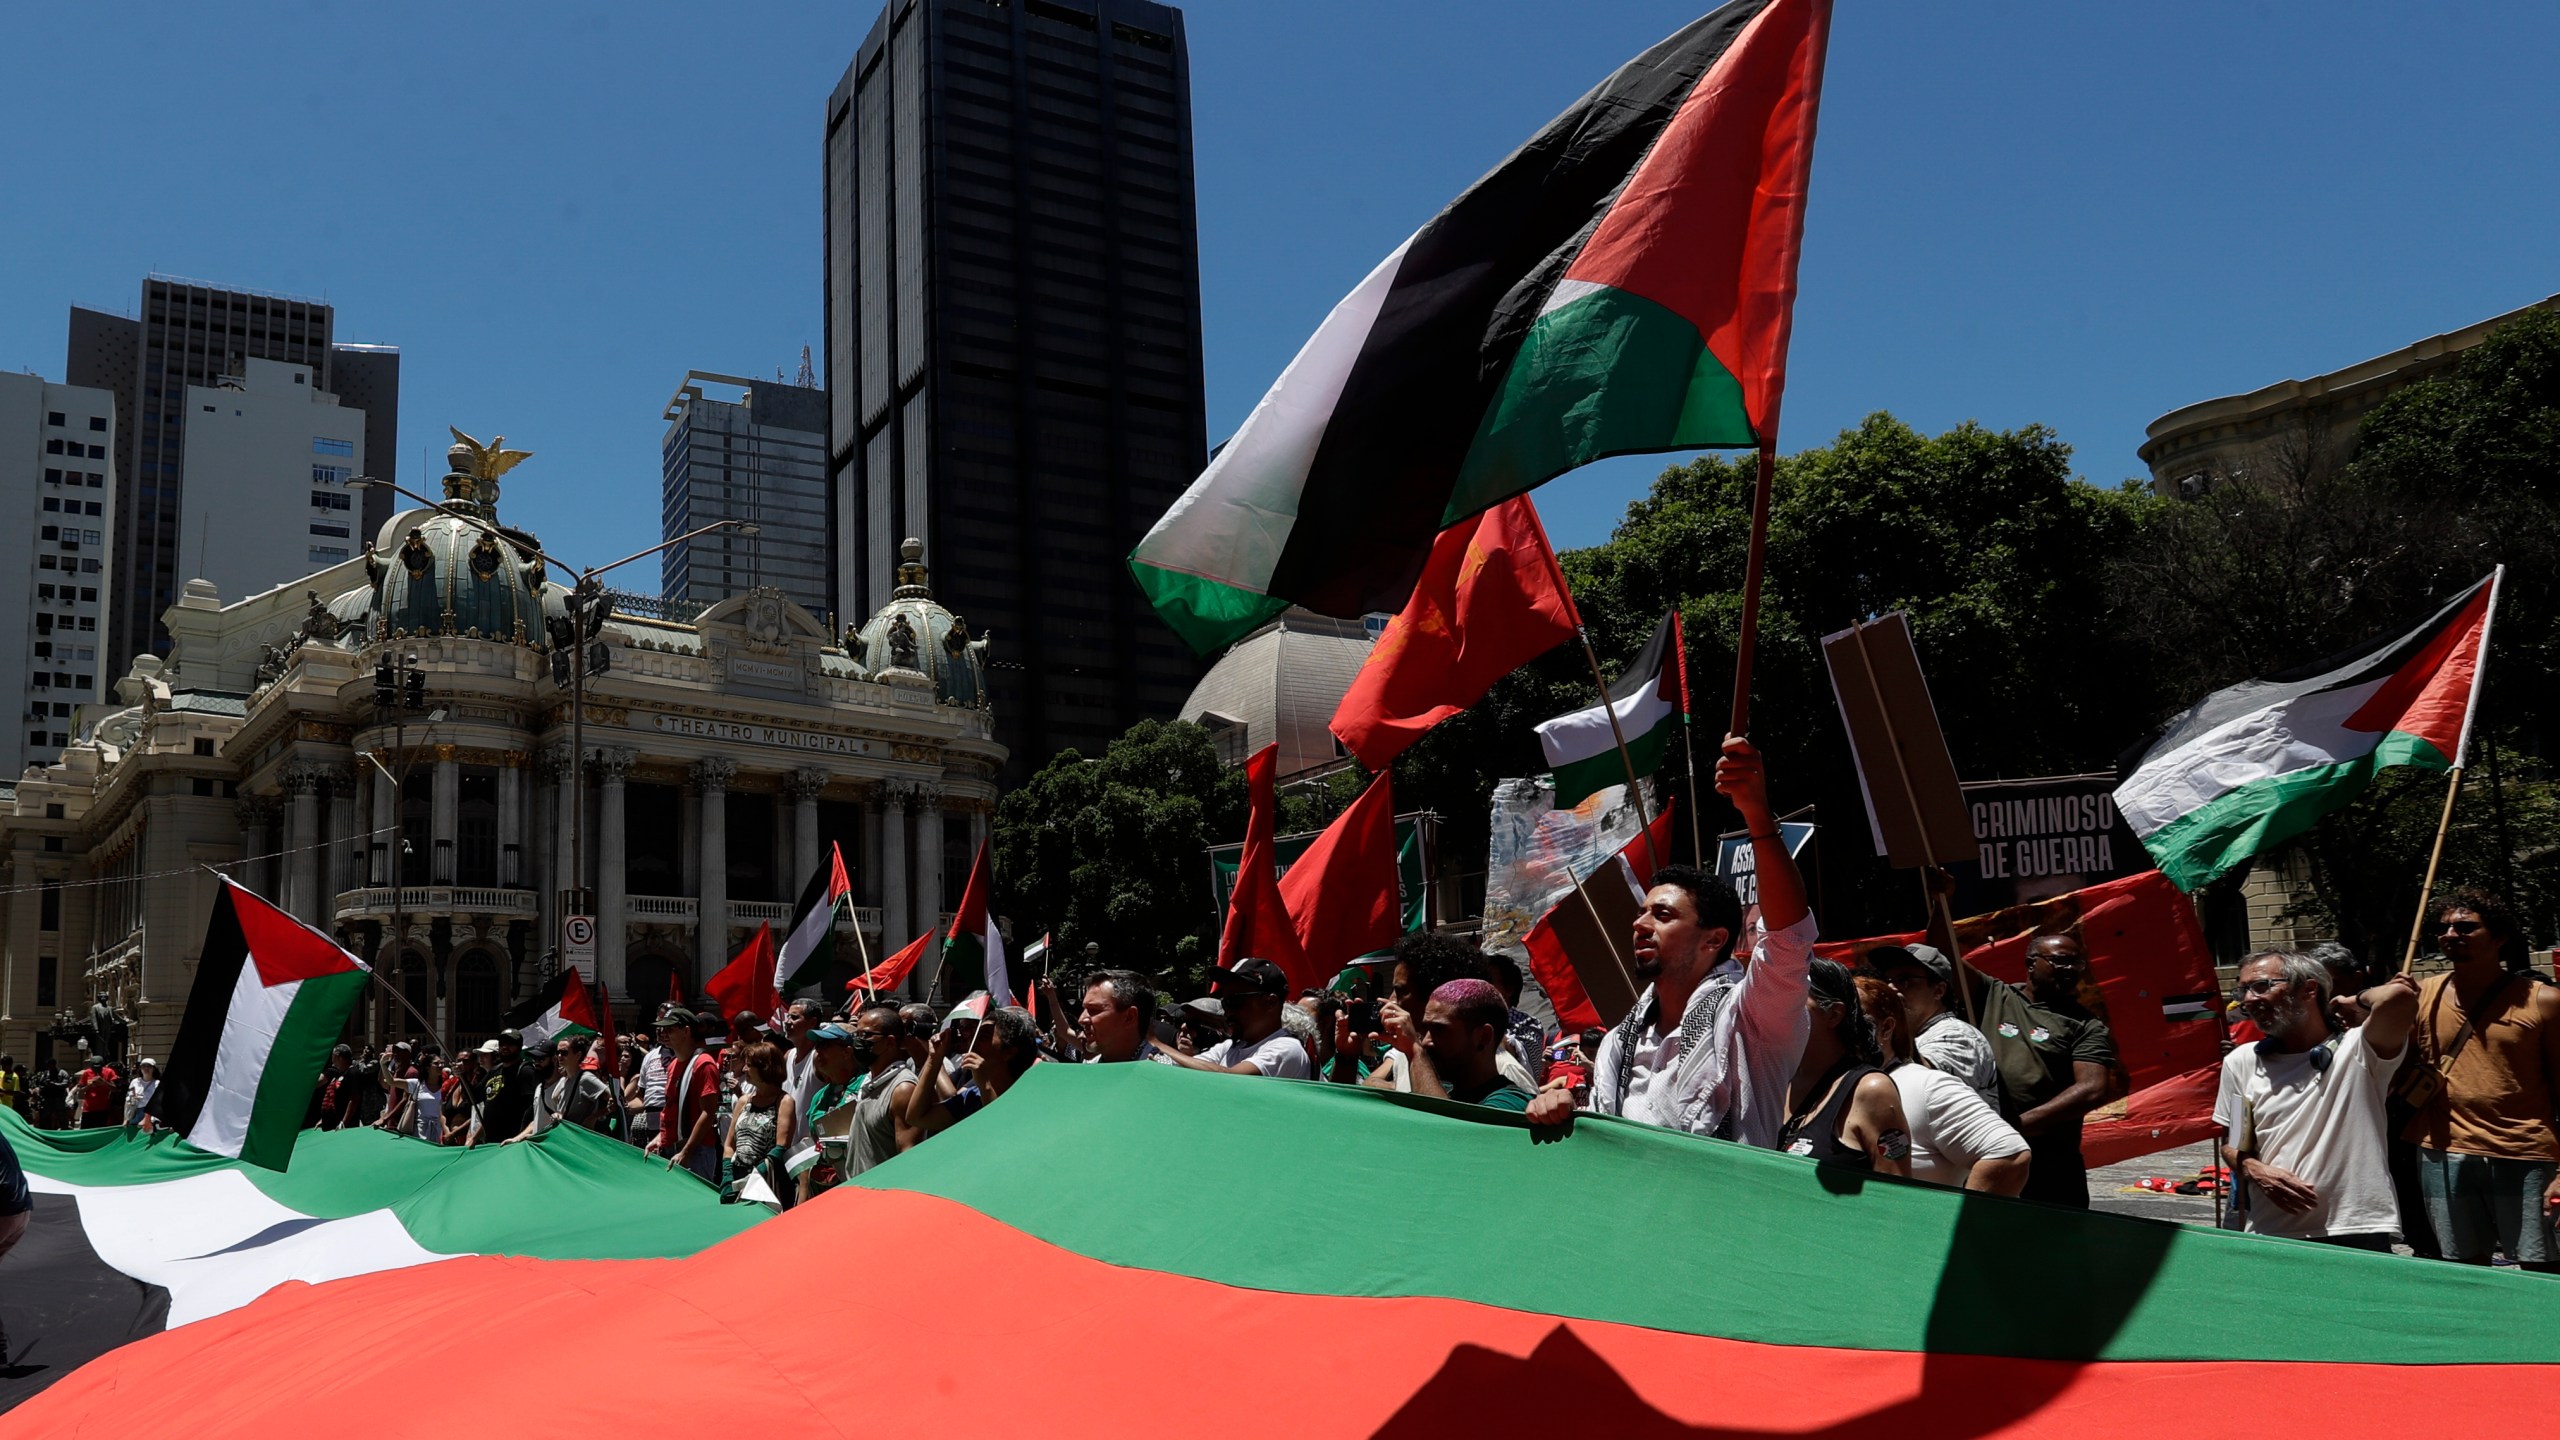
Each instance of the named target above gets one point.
<point>2114,1188</point>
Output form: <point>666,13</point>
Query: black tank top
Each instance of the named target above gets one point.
<point>1816,1135</point>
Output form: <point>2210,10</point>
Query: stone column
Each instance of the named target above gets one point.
<point>893,865</point>
<point>338,869</point>
<point>382,867</point>
<point>511,857</point>
<point>447,815</point>
<point>801,788</point>
<point>550,862</point>
<point>711,776</point>
<point>301,840</point>
<point>256,813</point>
<point>612,768</point>
<point>928,887</point>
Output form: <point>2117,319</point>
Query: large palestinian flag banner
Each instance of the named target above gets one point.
<point>135,1234</point>
<point>270,997</point>
<point>1625,1281</point>
<point>2255,765</point>
<point>1621,284</point>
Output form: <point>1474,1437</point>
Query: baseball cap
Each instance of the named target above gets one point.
<point>510,1037</point>
<point>1252,976</point>
<point>830,1034</point>
<point>488,1047</point>
<point>673,1015</point>
<point>1927,957</point>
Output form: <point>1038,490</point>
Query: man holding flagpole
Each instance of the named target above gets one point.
<point>1723,1065</point>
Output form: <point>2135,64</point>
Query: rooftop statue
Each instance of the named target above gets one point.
<point>476,467</point>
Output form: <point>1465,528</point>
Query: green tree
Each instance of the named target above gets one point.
<point>1113,849</point>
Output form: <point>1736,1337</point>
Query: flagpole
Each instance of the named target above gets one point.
<point>1609,707</point>
<point>1616,953</point>
<point>1689,741</point>
<point>1754,562</point>
<point>2453,777</point>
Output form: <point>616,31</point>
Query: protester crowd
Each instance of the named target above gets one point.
<point>2355,1113</point>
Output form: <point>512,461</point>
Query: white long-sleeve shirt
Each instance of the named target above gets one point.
<point>1746,1062</point>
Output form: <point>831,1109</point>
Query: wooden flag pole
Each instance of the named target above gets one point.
<point>1609,707</point>
<point>1753,563</point>
<point>1689,744</point>
<point>2461,761</point>
<point>2435,854</point>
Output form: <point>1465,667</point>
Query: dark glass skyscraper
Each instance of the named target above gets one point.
<point>1013,339</point>
<point>190,333</point>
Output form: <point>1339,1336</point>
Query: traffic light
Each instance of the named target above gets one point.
<point>386,688</point>
<point>416,688</point>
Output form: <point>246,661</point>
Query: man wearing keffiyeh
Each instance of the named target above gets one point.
<point>1722,1065</point>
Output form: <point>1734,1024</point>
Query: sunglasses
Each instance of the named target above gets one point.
<point>2460,927</point>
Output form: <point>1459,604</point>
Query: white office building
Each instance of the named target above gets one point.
<point>759,457</point>
<point>58,475</point>
<point>265,498</point>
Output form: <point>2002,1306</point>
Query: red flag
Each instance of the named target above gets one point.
<point>675,989</point>
<point>606,1056</point>
<point>2177,1111</point>
<point>1564,942</point>
<point>2147,962</point>
<point>1490,600</point>
<point>746,982</point>
<point>890,973</point>
<point>1257,918</point>
<point>1343,893</point>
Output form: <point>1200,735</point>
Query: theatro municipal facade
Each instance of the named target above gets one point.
<point>385,749</point>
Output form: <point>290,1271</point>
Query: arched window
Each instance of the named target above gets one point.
<point>652,976</point>
<point>477,1010</point>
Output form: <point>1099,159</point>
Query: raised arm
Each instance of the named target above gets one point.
<point>1742,778</point>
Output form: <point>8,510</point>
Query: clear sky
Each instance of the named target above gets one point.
<point>2047,211</point>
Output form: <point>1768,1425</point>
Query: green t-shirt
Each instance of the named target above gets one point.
<point>1502,1095</point>
<point>2036,1047</point>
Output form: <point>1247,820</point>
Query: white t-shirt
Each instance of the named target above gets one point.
<point>1952,1128</point>
<point>800,1080</point>
<point>1954,1048</point>
<point>1278,1055</point>
<point>2322,1122</point>
<point>428,1121</point>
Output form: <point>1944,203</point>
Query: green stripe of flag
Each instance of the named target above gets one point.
<point>1207,615</point>
<point>2213,839</point>
<point>1604,373</point>
<point>1579,780</point>
<point>311,1024</point>
<point>1074,1156</point>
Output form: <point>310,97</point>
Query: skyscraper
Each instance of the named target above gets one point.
<point>1013,338</point>
<point>191,333</point>
<point>762,458</point>
<point>57,473</point>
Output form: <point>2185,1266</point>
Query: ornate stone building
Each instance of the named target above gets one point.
<point>384,749</point>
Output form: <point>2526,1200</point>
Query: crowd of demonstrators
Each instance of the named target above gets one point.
<point>1957,1136</point>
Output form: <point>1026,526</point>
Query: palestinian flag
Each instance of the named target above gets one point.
<point>562,1009</point>
<point>1621,284</point>
<point>135,1234</point>
<point>1581,950</point>
<point>270,997</point>
<point>973,953</point>
<point>1582,748</point>
<point>1845,1305</point>
<point>2255,765</point>
<point>808,959</point>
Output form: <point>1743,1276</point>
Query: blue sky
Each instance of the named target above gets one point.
<point>2075,214</point>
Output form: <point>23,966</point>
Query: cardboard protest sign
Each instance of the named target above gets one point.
<point>1915,811</point>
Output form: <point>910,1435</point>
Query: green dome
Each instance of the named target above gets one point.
<point>914,634</point>
<point>439,574</point>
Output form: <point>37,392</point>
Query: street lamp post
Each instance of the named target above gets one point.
<point>588,610</point>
